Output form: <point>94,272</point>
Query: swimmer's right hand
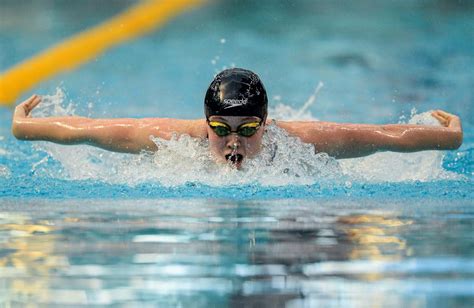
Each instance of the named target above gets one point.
<point>21,124</point>
<point>24,109</point>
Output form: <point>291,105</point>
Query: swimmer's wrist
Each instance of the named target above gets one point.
<point>26,128</point>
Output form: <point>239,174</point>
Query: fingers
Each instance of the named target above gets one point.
<point>34,103</point>
<point>440,117</point>
<point>446,119</point>
<point>29,100</point>
<point>445,114</point>
<point>24,109</point>
<point>31,103</point>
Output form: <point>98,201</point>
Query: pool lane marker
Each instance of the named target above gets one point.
<point>71,53</point>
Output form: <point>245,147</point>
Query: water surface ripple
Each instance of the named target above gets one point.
<point>204,252</point>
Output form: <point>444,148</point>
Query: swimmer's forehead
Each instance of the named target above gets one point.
<point>234,119</point>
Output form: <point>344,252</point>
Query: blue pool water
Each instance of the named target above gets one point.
<point>81,226</point>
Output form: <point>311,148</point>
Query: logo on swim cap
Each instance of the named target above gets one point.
<point>236,92</point>
<point>234,102</point>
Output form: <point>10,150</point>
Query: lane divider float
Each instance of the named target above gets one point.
<point>83,47</point>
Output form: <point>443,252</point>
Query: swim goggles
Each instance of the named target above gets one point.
<point>244,130</point>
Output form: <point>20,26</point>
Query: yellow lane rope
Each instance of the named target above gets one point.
<point>69,54</point>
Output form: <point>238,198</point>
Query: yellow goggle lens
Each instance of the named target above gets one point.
<point>245,130</point>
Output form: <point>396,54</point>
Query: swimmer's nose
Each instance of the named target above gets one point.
<point>234,142</point>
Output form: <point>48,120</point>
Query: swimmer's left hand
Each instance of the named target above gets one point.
<point>447,119</point>
<point>452,138</point>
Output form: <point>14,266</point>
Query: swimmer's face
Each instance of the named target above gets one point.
<point>234,148</point>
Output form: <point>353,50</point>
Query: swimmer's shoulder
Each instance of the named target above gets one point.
<point>197,128</point>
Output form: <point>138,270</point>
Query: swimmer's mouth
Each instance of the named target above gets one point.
<point>235,159</point>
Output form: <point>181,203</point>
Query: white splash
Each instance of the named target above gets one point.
<point>5,172</point>
<point>284,112</point>
<point>3,151</point>
<point>285,160</point>
<point>54,105</point>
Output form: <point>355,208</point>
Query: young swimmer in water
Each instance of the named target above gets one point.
<point>236,114</point>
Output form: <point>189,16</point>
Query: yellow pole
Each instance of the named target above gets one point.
<point>69,54</point>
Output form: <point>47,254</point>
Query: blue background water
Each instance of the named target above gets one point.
<point>377,61</point>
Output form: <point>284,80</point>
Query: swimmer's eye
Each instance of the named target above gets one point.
<point>220,129</point>
<point>248,129</point>
<point>244,130</point>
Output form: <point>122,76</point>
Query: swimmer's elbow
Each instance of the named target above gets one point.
<point>129,147</point>
<point>139,148</point>
<point>123,140</point>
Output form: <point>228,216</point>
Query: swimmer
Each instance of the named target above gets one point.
<point>235,109</point>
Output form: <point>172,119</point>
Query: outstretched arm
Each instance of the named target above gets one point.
<point>118,135</point>
<point>355,140</point>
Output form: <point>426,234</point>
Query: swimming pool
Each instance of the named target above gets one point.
<point>81,226</point>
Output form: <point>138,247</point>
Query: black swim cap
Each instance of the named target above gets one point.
<point>236,92</point>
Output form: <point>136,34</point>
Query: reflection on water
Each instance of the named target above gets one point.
<point>201,252</point>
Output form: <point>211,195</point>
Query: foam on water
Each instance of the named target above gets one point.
<point>285,160</point>
<point>3,151</point>
<point>4,172</point>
